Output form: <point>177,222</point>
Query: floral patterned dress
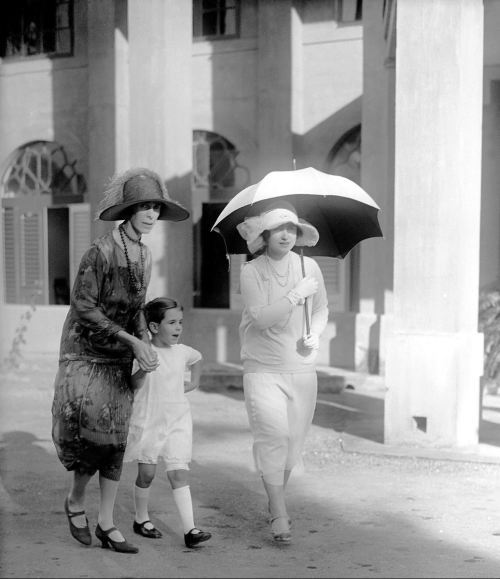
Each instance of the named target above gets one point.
<point>93,396</point>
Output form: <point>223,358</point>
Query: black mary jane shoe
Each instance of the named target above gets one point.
<point>192,539</point>
<point>81,534</point>
<point>118,546</point>
<point>140,529</point>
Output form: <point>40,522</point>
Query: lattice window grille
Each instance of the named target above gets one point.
<point>42,168</point>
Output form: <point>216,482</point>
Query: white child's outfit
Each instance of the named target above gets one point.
<point>161,423</point>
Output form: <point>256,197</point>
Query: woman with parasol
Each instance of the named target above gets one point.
<point>278,353</point>
<point>104,331</point>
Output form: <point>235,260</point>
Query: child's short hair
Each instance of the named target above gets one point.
<point>155,309</point>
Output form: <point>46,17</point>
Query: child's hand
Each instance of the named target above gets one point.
<point>194,376</point>
<point>190,386</point>
<point>138,379</point>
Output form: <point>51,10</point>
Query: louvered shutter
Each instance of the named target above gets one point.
<point>334,274</point>
<point>79,235</point>
<point>10,255</point>
<point>31,253</point>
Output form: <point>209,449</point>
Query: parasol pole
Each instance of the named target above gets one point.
<point>306,305</point>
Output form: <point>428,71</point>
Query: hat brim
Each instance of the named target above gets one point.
<point>169,211</point>
<point>255,242</point>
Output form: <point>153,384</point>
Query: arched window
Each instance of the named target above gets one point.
<point>215,168</point>
<point>46,225</point>
<point>345,157</point>
<point>342,277</point>
<point>40,168</point>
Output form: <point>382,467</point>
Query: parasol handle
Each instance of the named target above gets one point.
<point>306,305</point>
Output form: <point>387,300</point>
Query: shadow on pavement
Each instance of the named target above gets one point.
<point>353,515</point>
<point>350,412</point>
<point>362,414</point>
<point>489,433</point>
<point>345,522</point>
<point>357,414</point>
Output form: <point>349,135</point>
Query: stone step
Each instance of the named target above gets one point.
<point>230,377</point>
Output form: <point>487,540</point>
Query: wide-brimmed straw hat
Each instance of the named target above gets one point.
<point>251,229</point>
<point>138,185</point>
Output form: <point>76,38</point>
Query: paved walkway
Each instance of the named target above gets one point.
<point>358,509</point>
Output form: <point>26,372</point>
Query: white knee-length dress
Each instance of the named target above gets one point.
<point>161,423</point>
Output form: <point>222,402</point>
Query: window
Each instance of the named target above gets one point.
<point>345,157</point>
<point>214,163</point>
<point>349,11</point>
<point>216,19</point>
<point>41,168</point>
<point>34,27</point>
<point>342,276</point>
<point>46,226</point>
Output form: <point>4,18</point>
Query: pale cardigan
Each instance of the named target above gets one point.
<point>263,350</point>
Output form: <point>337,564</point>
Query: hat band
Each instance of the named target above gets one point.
<point>277,217</point>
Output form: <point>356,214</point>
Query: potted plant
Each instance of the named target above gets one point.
<point>489,325</point>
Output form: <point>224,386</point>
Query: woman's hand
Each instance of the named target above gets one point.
<point>145,356</point>
<point>306,287</point>
<point>311,341</point>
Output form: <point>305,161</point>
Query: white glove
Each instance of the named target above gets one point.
<point>311,341</point>
<point>306,287</point>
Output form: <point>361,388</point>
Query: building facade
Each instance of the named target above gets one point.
<point>213,96</point>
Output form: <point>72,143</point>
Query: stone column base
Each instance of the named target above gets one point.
<point>433,383</point>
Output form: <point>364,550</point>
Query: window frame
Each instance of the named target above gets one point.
<point>198,12</point>
<point>206,177</point>
<point>7,32</point>
<point>339,13</point>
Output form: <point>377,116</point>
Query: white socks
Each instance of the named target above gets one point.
<point>182,498</point>
<point>141,500</point>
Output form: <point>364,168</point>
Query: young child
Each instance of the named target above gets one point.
<point>161,424</point>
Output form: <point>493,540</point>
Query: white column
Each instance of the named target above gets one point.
<point>377,178</point>
<point>160,39</point>
<point>434,357</point>
<point>275,27</point>
<point>102,104</point>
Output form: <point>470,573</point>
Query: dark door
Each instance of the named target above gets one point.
<point>214,263</point>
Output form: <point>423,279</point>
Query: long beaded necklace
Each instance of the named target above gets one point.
<point>133,282</point>
<point>277,276</point>
<point>123,230</point>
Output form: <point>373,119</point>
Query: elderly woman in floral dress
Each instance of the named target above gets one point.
<point>104,331</point>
